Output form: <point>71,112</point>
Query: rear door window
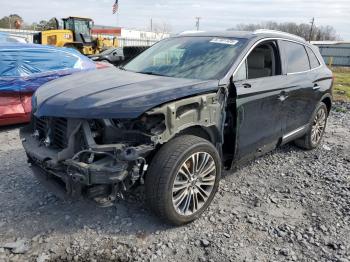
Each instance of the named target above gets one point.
<point>313,59</point>
<point>297,59</point>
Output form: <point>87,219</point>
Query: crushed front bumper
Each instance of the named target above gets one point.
<point>71,177</point>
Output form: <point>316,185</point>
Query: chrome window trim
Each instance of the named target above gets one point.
<point>272,39</point>
<point>277,32</point>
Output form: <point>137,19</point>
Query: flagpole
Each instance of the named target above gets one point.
<point>118,18</point>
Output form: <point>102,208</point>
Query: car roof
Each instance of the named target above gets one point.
<point>261,33</point>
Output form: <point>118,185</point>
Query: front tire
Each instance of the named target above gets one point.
<point>183,178</point>
<point>318,123</point>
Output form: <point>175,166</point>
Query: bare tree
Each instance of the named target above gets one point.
<point>9,21</point>
<point>47,25</point>
<point>318,32</point>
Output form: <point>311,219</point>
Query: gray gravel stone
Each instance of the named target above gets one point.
<point>19,247</point>
<point>205,242</point>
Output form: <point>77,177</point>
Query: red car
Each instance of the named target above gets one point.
<point>25,67</point>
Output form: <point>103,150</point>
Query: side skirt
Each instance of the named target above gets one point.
<point>297,133</point>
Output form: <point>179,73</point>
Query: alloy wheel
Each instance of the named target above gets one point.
<point>318,126</point>
<point>193,183</point>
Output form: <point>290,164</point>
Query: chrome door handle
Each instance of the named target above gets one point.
<point>282,96</point>
<point>316,87</point>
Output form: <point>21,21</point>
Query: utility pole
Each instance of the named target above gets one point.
<point>151,25</point>
<point>312,25</point>
<point>197,22</point>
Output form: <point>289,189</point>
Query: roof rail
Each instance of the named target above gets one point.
<point>266,31</point>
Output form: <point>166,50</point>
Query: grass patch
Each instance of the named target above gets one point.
<point>341,90</point>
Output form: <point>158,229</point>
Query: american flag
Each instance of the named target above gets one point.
<point>115,7</point>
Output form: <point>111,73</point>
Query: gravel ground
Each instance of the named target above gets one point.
<point>288,205</point>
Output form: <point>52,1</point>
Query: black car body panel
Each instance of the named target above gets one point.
<point>113,93</point>
<point>112,55</point>
<point>119,55</point>
<point>104,127</point>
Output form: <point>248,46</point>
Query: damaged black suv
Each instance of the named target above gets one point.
<point>177,114</point>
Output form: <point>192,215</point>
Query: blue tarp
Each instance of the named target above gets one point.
<point>7,38</point>
<point>25,67</point>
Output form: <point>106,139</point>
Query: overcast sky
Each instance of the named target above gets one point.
<point>180,14</point>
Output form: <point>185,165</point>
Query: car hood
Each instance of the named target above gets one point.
<point>112,93</point>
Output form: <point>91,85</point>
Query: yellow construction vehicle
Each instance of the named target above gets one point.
<point>76,33</point>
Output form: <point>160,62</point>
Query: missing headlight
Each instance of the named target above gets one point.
<point>148,124</point>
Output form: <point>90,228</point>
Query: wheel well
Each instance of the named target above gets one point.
<point>328,103</point>
<point>200,131</point>
<point>197,131</point>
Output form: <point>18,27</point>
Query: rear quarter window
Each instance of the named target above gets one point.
<point>297,59</point>
<point>312,57</point>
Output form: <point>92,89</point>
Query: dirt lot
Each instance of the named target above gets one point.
<point>288,205</point>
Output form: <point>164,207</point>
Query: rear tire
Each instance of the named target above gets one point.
<point>317,127</point>
<point>172,192</point>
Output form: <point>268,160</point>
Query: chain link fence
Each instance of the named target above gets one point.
<point>135,42</point>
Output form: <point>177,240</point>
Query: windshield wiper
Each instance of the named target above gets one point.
<point>150,73</point>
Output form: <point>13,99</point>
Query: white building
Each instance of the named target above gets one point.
<point>138,34</point>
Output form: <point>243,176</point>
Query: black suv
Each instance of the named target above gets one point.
<point>175,115</point>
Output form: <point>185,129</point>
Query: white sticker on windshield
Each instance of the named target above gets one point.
<point>224,41</point>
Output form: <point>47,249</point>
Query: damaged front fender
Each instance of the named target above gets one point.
<point>206,111</point>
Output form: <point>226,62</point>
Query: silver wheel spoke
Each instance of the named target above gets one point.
<point>208,178</point>
<point>208,170</point>
<point>187,203</point>
<point>180,198</point>
<point>184,170</point>
<point>206,183</point>
<point>210,181</point>
<point>202,192</point>
<point>194,163</point>
<point>178,185</point>
<point>195,202</point>
<point>205,160</point>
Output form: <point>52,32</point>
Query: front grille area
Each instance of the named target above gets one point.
<point>52,131</point>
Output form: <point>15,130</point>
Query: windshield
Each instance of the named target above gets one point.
<point>189,57</point>
<point>82,27</point>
